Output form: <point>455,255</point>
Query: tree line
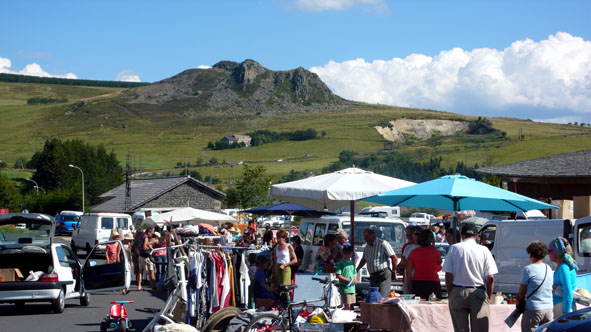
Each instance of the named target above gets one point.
<point>67,81</point>
<point>261,137</point>
<point>62,184</point>
<point>39,100</point>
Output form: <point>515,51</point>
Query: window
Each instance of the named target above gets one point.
<point>584,240</point>
<point>107,223</point>
<point>62,257</point>
<point>304,232</point>
<point>319,234</point>
<point>122,223</point>
<point>310,233</point>
<point>487,237</point>
<point>332,228</point>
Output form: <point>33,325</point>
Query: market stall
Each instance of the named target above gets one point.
<point>427,317</point>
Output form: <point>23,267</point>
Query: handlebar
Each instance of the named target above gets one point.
<point>325,280</point>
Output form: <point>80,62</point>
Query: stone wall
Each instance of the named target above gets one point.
<point>186,193</point>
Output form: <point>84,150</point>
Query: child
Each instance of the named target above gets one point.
<point>263,296</point>
<point>345,273</point>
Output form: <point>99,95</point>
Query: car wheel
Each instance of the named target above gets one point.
<point>88,249</point>
<point>73,247</point>
<point>60,303</point>
<point>104,326</point>
<point>122,327</point>
<point>85,300</point>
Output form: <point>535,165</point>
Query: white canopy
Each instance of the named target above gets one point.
<point>189,216</point>
<point>335,190</point>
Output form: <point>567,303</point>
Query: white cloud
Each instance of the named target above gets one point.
<point>326,5</point>
<point>32,69</point>
<point>128,76</point>
<point>527,79</point>
<point>203,67</point>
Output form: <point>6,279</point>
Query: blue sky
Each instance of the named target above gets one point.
<point>527,59</point>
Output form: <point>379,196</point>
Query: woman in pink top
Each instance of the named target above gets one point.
<point>422,266</point>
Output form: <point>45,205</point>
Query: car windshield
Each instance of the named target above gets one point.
<point>391,232</point>
<point>27,233</point>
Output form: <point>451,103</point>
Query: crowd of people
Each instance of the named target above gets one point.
<point>469,269</point>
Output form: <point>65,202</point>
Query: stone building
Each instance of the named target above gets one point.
<point>161,193</point>
<point>237,139</point>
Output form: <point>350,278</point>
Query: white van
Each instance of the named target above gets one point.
<point>391,212</point>
<point>97,227</point>
<point>508,239</point>
<point>312,231</point>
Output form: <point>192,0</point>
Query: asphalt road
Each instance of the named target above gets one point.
<point>39,316</point>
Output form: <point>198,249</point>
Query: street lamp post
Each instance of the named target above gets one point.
<point>36,185</point>
<point>81,172</point>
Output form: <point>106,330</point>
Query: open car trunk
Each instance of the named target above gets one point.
<point>25,261</point>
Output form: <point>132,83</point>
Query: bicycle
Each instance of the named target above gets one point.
<point>285,319</point>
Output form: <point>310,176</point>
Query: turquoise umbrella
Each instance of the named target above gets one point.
<point>455,193</point>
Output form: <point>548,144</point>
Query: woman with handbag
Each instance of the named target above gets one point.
<point>535,291</point>
<point>565,276</point>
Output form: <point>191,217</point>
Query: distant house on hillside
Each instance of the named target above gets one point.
<point>157,193</point>
<point>237,139</point>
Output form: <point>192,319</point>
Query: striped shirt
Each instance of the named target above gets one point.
<point>377,255</point>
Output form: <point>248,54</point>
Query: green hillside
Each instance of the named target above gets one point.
<point>177,131</point>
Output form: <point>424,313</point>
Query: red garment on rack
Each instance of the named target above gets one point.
<point>219,273</point>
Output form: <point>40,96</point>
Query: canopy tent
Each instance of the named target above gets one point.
<point>455,193</point>
<point>189,216</point>
<point>337,189</point>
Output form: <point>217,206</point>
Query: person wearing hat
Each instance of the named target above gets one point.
<point>113,251</point>
<point>469,278</point>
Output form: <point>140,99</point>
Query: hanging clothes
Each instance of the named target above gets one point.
<point>244,281</point>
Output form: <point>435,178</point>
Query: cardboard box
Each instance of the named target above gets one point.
<point>582,206</point>
<point>10,275</point>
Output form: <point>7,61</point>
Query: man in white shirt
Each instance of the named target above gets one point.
<point>469,277</point>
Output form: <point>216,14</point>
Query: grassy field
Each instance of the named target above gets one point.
<point>161,137</point>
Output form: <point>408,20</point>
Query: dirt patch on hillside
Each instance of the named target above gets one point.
<point>421,129</point>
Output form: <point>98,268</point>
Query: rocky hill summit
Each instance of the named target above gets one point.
<point>245,87</point>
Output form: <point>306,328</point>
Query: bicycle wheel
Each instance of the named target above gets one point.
<point>265,322</point>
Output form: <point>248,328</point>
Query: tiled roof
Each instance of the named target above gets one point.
<point>145,190</point>
<point>565,165</point>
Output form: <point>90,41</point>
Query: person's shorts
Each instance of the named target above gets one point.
<point>149,265</point>
<point>348,298</point>
<point>142,264</point>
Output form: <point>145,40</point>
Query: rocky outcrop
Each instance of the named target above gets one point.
<point>420,129</point>
<point>245,87</point>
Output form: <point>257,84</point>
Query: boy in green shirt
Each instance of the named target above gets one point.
<point>345,273</point>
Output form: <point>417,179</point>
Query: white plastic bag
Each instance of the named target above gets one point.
<point>343,316</point>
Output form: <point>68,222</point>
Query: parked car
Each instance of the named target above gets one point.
<point>576,321</point>
<point>95,228</point>
<point>66,221</point>
<point>36,269</point>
